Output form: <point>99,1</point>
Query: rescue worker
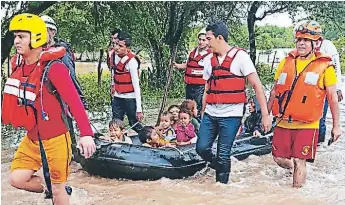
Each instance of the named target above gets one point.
<point>126,94</point>
<point>29,103</point>
<point>224,99</point>
<point>68,59</point>
<point>194,67</point>
<point>327,47</point>
<point>302,81</point>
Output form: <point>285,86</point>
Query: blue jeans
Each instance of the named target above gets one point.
<point>128,106</point>
<point>210,128</point>
<point>322,131</point>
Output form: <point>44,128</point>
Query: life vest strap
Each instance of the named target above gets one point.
<point>224,91</point>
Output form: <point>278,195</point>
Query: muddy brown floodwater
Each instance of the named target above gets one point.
<point>256,180</point>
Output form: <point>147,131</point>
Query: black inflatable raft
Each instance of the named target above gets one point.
<point>136,162</point>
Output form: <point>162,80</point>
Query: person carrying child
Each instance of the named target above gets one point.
<point>185,129</point>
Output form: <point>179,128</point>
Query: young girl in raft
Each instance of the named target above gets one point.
<point>192,106</point>
<point>174,110</point>
<point>185,129</point>
<point>116,132</point>
<point>166,122</point>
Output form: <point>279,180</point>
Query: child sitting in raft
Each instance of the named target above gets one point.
<point>116,132</point>
<point>185,129</point>
<point>166,122</point>
<point>174,110</point>
<point>150,138</point>
<point>192,106</point>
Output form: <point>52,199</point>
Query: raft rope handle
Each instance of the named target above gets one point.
<point>179,151</point>
<point>131,127</point>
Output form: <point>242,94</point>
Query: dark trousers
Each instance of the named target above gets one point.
<point>322,130</point>
<point>128,106</point>
<point>225,128</point>
<point>195,92</point>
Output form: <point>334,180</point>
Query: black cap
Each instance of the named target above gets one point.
<point>124,36</point>
<point>219,29</point>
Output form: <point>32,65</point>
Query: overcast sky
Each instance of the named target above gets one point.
<point>280,19</point>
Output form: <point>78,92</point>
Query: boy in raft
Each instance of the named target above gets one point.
<point>150,138</point>
<point>117,133</point>
<point>185,133</point>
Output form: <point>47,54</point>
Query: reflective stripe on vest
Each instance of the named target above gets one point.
<point>299,97</point>
<point>194,71</point>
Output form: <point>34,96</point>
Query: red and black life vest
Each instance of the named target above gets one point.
<point>194,72</point>
<point>21,92</point>
<point>122,76</point>
<point>224,86</point>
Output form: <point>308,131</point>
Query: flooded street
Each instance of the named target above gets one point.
<point>256,180</point>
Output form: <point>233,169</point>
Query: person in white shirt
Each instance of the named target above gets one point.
<point>328,48</point>
<point>224,98</point>
<point>194,67</point>
<point>125,89</point>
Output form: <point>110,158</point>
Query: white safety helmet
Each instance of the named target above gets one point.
<point>50,23</point>
<point>202,31</point>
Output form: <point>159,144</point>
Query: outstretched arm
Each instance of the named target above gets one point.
<point>254,80</point>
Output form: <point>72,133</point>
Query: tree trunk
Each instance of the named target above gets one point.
<point>7,39</point>
<point>251,29</point>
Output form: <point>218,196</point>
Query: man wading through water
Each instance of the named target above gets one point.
<point>125,88</point>
<point>28,102</point>
<point>224,98</point>
<point>194,67</point>
<point>302,81</point>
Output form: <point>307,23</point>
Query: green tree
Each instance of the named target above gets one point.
<point>11,9</point>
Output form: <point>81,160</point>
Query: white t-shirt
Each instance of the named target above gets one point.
<point>203,52</point>
<point>132,67</point>
<point>242,66</point>
<point>328,48</point>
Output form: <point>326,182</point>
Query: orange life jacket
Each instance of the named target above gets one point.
<point>224,86</point>
<point>21,92</point>
<point>194,71</point>
<point>299,97</point>
<point>122,76</point>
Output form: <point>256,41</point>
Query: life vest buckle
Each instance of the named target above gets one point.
<point>290,119</point>
<point>20,102</point>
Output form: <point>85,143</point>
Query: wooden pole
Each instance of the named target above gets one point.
<point>166,90</point>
